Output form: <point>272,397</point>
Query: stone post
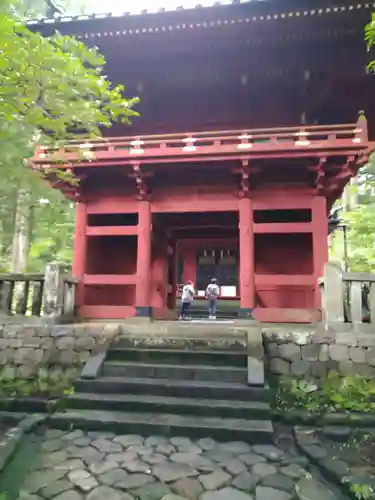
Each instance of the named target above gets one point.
<point>53,292</point>
<point>69,290</point>
<point>333,293</point>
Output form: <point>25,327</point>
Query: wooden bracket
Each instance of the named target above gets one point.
<point>245,172</point>
<point>139,177</point>
<point>320,179</point>
<point>245,179</point>
<point>347,170</point>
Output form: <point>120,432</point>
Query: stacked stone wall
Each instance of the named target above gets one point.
<point>314,353</point>
<point>24,349</point>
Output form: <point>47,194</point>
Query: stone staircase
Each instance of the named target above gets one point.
<point>195,387</point>
<point>197,312</point>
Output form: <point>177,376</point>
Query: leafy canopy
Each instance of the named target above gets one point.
<point>370,39</point>
<point>361,221</point>
<point>50,90</point>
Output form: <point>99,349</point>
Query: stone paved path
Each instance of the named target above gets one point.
<point>100,466</point>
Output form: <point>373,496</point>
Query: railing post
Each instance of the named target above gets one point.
<point>37,298</point>
<point>333,295</point>
<point>356,313</point>
<point>22,298</point>
<point>69,299</point>
<point>372,302</point>
<point>53,292</point>
<point>361,135</point>
<point>6,297</point>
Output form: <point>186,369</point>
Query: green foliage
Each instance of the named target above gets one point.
<point>50,89</point>
<point>359,490</point>
<point>52,232</point>
<point>370,39</point>
<point>44,383</point>
<point>361,238</point>
<point>337,394</point>
<point>361,221</point>
<point>31,9</point>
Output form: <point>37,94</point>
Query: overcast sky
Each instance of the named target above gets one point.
<point>121,6</point>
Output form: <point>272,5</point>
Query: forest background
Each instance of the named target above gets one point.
<point>37,223</point>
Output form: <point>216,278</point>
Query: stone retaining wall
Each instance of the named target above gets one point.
<point>314,353</point>
<point>24,349</point>
<point>292,351</point>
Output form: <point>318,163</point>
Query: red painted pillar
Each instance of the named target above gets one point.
<point>246,234</point>
<point>158,283</point>
<point>143,298</point>
<point>190,265</point>
<point>320,241</point>
<point>173,263</point>
<point>79,252</point>
<point>160,278</point>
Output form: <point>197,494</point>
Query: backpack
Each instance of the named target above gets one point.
<point>212,291</point>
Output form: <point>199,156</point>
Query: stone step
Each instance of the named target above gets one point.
<point>172,388</point>
<point>175,372</point>
<point>179,357</point>
<point>253,431</point>
<point>212,343</point>
<point>236,330</point>
<point>202,312</point>
<point>177,406</point>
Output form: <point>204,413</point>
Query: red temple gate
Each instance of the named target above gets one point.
<point>126,250</point>
<point>263,195</point>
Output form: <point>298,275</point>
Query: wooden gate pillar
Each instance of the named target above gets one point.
<point>79,253</point>
<point>190,265</point>
<point>320,242</point>
<point>172,275</point>
<point>246,268</point>
<point>143,284</point>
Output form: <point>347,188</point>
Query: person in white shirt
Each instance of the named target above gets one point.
<point>212,294</point>
<point>187,298</point>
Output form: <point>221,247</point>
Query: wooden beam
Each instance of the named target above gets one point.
<point>283,228</point>
<point>107,311</point>
<point>109,279</point>
<point>275,202</point>
<point>287,280</point>
<point>112,205</point>
<point>111,230</point>
<point>197,205</point>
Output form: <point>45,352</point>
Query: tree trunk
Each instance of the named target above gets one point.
<point>350,195</point>
<point>21,235</point>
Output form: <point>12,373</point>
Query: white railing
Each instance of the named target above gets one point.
<point>352,136</point>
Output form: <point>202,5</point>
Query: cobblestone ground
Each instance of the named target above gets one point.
<point>101,466</point>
